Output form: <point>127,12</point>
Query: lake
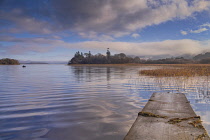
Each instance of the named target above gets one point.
<point>60,102</point>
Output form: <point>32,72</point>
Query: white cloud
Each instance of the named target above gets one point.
<point>198,31</point>
<point>206,25</point>
<point>135,35</point>
<point>184,32</point>
<point>167,47</point>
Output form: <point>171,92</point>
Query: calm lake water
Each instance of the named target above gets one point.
<point>59,102</point>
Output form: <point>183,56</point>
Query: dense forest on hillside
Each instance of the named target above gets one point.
<point>121,58</point>
<point>8,61</point>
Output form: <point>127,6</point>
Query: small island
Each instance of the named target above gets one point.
<point>88,58</point>
<point>8,61</point>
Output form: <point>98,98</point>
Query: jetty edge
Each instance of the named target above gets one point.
<point>167,116</point>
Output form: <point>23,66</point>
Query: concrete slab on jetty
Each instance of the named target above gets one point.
<point>167,116</point>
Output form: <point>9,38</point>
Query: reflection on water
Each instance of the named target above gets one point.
<point>52,102</point>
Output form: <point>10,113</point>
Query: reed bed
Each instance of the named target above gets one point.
<point>179,70</point>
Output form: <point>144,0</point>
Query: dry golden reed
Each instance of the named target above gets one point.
<point>179,70</point>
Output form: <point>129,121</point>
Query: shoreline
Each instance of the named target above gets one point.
<point>133,64</point>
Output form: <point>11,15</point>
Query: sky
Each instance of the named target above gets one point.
<point>53,30</point>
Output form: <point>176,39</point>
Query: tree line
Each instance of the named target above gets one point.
<point>88,58</point>
<point>121,58</point>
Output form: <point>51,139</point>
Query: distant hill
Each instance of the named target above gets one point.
<point>8,61</point>
<point>32,62</point>
<point>42,62</point>
<point>202,56</point>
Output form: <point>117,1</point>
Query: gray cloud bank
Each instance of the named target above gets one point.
<point>95,18</point>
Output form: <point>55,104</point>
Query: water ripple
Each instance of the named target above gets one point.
<point>51,102</point>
